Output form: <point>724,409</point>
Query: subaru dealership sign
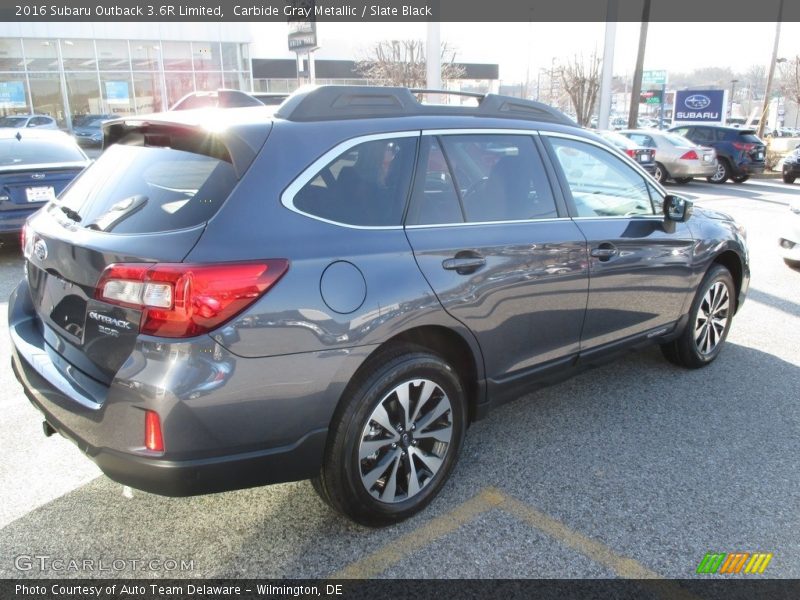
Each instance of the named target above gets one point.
<point>699,106</point>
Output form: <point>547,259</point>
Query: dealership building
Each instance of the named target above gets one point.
<point>67,70</point>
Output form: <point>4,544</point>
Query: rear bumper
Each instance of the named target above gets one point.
<point>13,219</point>
<point>748,168</point>
<point>692,168</point>
<point>228,422</point>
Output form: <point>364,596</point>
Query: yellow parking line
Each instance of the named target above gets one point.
<point>491,498</point>
<point>394,552</point>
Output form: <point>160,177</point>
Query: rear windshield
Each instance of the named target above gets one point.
<point>142,189</point>
<point>38,152</point>
<point>619,140</point>
<point>13,121</point>
<point>749,138</point>
<point>677,140</point>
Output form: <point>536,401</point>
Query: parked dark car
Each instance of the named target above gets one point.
<point>336,290</point>
<point>35,166</point>
<point>791,166</point>
<point>644,156</point>
<point>88,130</point>
<point>740,152</point>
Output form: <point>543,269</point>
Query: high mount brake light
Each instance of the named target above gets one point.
<point>183,300</point>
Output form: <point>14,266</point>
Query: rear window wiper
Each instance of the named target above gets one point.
<point>73,215</point>
<point>118,212</point>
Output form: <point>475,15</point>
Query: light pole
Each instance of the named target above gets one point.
<point>733,96</point>
<point>762,121</point>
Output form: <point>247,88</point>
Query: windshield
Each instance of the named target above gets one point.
<point>38,152</point>
<point>135,189</point>
<point>13,121</point>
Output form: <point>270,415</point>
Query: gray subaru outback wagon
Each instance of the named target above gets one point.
<point>336,290</point>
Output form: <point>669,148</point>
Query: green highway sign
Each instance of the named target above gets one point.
<point>653,78</point>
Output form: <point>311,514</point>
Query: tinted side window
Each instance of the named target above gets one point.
<point>366,185</point>
<point>499,177</point>
<point>702,134</point>
<point>434,200</point>
<point>602,185</point>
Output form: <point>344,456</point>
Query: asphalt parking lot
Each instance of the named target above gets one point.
<point>636,469</point>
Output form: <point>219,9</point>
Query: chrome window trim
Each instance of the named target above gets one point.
<point>479,131</point>
<point>477,223</point>
<point>310,172</point>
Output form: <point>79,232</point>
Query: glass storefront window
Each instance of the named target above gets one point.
<point>208,82</point>
<point>205,56</point>
<point>41,55</point>
<point>112,55</point>
<point>231,60</point>
<point>78,55</point>
<point>145,55</point>
<point>148,93</point>
<point>47,97</point>
<point>84,95</point>
<point>237,81</point>
<point>11,55</point>
<point>177,56</point>
<point>117,92</point>
<point>178,85</point>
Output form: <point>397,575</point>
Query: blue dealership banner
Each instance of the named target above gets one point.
<point>699,106</point>
<point>12,94</point>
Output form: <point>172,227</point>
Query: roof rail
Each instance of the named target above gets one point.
<point>329,102</point>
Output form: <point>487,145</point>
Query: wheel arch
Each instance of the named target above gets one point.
<point>733,262</point>
<point>450,345</point>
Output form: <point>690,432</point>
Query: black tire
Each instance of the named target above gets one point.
<point>740,178</point>
<point>684,350</point>
<point>788,178</point>
<point>660,174</point>
<point>683,180</point>
<point>723,172</point>
<point>340,483</point>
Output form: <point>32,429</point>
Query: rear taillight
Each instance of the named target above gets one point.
<point>183,300</point>
<point>630,152</point>
<point>690,155</point>
<point>743,146</point>
<point>153,438</point>
<point>22,235</point>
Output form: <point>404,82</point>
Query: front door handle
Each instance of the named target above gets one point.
<point>464,263</point>
<point>604,251</point>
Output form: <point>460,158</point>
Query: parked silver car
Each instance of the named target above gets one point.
<point>25,121</point>
<point>677,157</point>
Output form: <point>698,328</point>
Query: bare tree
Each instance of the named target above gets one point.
<point>402,63</point>
<point>581,82</point>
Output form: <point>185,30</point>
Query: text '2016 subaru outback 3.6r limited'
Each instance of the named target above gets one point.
<point>337,290</point>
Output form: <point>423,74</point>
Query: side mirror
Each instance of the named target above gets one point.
<point>677,209</point>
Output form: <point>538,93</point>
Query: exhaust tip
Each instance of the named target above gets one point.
<point>48,429</point>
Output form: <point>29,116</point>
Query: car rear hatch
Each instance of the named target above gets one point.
<point>27,185</point>
<point>750,145</point>
<point>147,199</point>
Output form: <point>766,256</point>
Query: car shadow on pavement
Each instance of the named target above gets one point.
<point>658,463</point>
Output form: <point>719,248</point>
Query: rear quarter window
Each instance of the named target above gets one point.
<point>366,185</point>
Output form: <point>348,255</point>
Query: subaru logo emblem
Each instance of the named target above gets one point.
<point>37,176</point>
<point>697,101</point>
<point>40,250</point>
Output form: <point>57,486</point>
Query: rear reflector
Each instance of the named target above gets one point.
<point>690,155</point>
<point>153,440</point>
<point>183,300</point>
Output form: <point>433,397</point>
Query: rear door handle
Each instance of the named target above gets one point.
<point>604,251</point>
<point>464,265</point>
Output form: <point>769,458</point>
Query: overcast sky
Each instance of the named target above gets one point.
<point>519,47</point>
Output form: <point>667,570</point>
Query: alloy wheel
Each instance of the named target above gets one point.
<point>720,174</point>
<point>712,318</point>
<point>405,440</point>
